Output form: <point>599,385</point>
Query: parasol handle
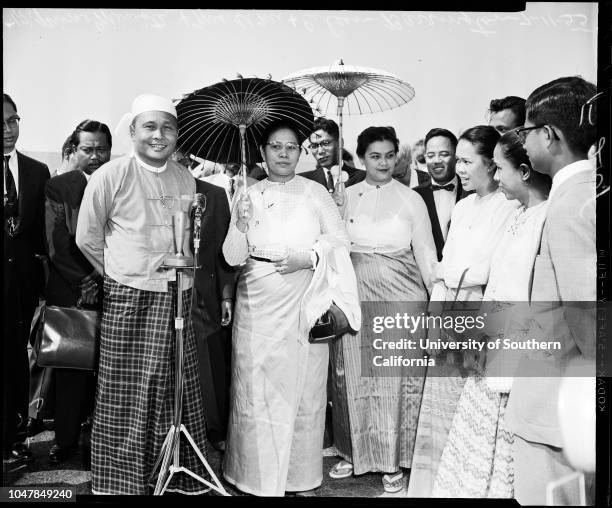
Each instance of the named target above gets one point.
<point>340,141</point>
<point>242,129</point>
<point>338,193</point>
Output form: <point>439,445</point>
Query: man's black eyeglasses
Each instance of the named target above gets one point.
<point>522,132</point>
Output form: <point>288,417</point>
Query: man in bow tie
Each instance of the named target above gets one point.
<point>24,243</point>
<point>445,189</point>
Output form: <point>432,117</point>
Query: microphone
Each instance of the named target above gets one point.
<point>199,205</point>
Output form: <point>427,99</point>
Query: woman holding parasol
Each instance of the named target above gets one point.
<point>287,232</point>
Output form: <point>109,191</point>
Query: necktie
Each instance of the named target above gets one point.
<point>330,181</point>
<point>232,188</point>
<point>448,187</point>
<point>11,192</point>
<point>10,200</point>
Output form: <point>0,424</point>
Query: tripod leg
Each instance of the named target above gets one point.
<point>161,452</point>
<point>172,470</point>
<point>219,487</point>
<point>166,462</point>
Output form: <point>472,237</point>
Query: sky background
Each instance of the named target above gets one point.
<point>64,65</point>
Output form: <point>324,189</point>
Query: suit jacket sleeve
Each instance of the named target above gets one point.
<point>41,244</point>
<point>225,274</point>
<point>63,252</point>
<point>573,255</point>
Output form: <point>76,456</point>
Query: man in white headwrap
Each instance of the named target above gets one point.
<point>124,230</point>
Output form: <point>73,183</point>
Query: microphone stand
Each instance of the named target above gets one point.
<point>169,456</point>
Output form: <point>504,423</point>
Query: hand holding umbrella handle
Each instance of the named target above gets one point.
<point>339,194</point>
<point>245,212</point>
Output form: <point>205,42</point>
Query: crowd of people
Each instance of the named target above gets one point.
<point>502,213</point>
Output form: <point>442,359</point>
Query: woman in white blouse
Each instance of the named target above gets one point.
<point>479,435</point>
<point>278,387</point>
<point>394,255</point>
<point>477,224</point>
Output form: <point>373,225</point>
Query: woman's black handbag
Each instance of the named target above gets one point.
<point>330,326</point>
<point>68,338</point>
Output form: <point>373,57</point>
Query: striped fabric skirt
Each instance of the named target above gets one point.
<point>440,397</point>
<point>477,459</point>
<point>375,417</point>
<point>135,392</point>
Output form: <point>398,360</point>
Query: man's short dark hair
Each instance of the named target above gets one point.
<point>67,148</point>
<point>328,126</point>
<point>90,126</point>
<point>513,103</point>
<point>445,133</point>
<point>7,98</point>
<point>562,103</point>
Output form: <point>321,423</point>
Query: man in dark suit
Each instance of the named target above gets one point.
<point>444,190</point>
<point>73,281</point>
<point>24,244</point>
<point>212,310</point>
<point>404,171</point>
<point>324,143</point>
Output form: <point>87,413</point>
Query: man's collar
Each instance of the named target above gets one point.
<point>12,153</point>
<point>150,168</point>
<point>567,172</point>
<point>454,180</point>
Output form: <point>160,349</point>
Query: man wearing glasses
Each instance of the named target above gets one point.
<point>324,144</point>
<point>559,129</point>
<point>24,244</point>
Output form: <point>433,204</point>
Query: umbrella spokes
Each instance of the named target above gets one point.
<point>224,122</point>
<point>339,84</point>
<point>359,89</point>
<point>246,109</point>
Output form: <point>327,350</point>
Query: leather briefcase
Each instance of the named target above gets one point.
<point>330,326</point>
<point>68,338</point>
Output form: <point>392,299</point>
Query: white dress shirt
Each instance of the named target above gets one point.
<point>445,202</point>
<point>387,218</point>
<point>14,167</point>
<point>327,171</point>
<point>223,181</point>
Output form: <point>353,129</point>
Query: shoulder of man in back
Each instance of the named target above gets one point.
<point>32,163</point>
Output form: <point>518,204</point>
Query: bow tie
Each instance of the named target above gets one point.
<point>448,187</point>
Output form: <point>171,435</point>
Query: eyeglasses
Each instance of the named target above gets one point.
<point>12,122</point>
<point>277,146</point>
<point>326,143</point>
<point>523,132</point>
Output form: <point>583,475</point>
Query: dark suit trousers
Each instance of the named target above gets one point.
<point>73,403</point>
<point>18,316</point>
<point>214,358</point>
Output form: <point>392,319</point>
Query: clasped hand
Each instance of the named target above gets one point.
<point>89,289</point>
<point>293,261</point>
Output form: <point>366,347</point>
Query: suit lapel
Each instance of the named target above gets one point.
<point>320,177</point>
<point>24,196</point>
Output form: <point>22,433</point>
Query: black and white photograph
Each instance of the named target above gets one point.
<point>339,254</point>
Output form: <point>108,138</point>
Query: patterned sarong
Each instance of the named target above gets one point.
<point>135,392</point>
<point>375,417</point>
<point>477,459</point>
